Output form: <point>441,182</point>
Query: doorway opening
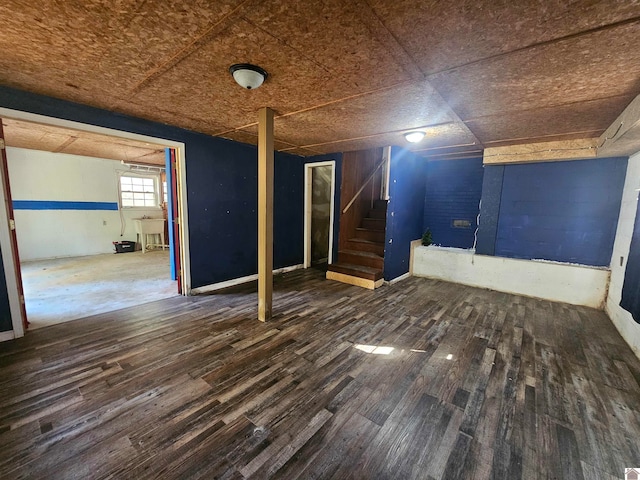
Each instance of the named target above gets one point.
<point>68,206</point>
<point>319,214</point>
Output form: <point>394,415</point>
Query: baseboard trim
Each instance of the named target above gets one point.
<point>4,336</point>
<point>399,279</point>
<point>357,281</point>
<point>240,281</point>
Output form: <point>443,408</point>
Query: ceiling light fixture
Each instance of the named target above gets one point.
<point>414,137</point>
<point>248,76</point>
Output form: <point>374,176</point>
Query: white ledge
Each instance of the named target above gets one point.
<point>558,282</point>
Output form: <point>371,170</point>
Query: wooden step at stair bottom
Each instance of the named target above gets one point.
<point>356,257</point>
<point>358,275</point>
<point>354,280</point>
<point>356,270</point>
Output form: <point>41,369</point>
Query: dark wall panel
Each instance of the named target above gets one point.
<point>288,211</point>
<point>405,210</point>
<point>489,209</point>
<point>5,311</point>
<point>631,287</point>
<point>221,190</point>
<point>452,192</point>
<point>561,211</point>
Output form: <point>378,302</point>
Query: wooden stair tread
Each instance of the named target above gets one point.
<point>372,223</point>
<point>361,253</point>
<point>362,240</point>
<point>356,270</point>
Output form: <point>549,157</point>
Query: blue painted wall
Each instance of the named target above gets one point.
<point>221,190</point>
<point>337,157</point>
<point>560,211</point>
<point>489,209</point>
<point>405,210</point>
<point>452,192</point>
<point>223,215</point>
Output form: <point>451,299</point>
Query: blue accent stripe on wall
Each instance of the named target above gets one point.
<point>62,205</point>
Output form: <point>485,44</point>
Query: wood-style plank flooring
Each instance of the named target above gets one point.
<point>422,379</point>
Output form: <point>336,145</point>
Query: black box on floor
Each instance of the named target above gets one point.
<point>124,246</point>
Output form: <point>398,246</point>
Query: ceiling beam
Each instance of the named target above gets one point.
<point>623,135</point>
<point>541,152</point>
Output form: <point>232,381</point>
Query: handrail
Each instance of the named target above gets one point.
<point>384,160</point>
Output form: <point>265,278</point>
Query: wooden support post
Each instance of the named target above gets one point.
<point>265,214</point>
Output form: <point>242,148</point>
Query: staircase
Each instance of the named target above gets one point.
<point>361,263</point>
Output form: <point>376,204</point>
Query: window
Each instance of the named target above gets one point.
<point>138,191</point>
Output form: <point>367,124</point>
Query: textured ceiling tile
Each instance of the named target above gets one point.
<point>108,149</point>
<point>343,69</point>
<point>444,153</point>
<point>401,108</point>
<point>170,114</point>
<point>201,83</point>
<point>604,64</point>
<point>586,119</point>
<point>252,139</point>
<point>336,35</point>
<point>304,152</point>
<point>49,138</point>
<point>18,134</point>
<point>97,47</point>
<point>440,35</point>
<point>451,134</point>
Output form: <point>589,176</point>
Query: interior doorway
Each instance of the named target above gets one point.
<point>139,161</point>
<point>319,214</point>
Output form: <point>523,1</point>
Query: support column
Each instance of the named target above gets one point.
<point>265,214</point>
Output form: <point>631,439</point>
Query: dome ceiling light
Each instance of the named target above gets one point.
<point>248,76</point>
<point>414,137</point>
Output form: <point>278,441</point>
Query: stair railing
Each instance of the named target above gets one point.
<point>366,182</point>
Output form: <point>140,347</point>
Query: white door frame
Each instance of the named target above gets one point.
<point>10,268</point>
<point>308,192</point>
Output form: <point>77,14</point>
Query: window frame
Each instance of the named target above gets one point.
<point>157,193</point>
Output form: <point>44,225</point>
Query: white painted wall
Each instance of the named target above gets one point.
<point>560,282</point>
<point>36,175</point>
<point>622,319</point>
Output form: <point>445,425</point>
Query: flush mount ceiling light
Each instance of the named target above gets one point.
<point>248,76</point>
<point>414,137</point>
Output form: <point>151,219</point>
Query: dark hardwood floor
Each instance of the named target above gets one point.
<point>421,379</point>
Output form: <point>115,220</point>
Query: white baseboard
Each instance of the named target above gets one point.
<point>399,279</point>
<point>4,336</point>
<point>240,281</point>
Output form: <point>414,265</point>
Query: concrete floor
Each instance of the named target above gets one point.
<point>64,289</point>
